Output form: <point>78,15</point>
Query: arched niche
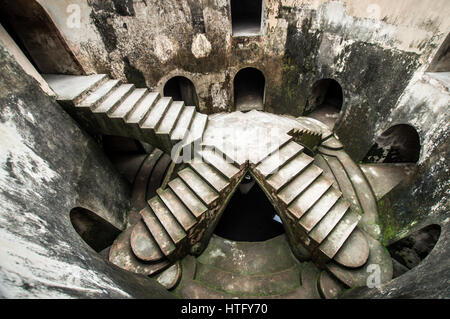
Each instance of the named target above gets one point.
<point>249,90</point>
<point>398,144</point>
<point>180,88</point>
<point>325,102</point>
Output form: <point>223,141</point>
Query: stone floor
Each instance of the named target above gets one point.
<point>232,269</point>
<point>325,114</point>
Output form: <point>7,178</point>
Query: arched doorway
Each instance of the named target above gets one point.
<point>180,88</point>
<point>249,216</point>
<point>325,102</point>
<point>398,144</point>
<point>33,30</point>
<point>249,89</point>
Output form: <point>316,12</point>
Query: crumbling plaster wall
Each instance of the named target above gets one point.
<point>47,167</point>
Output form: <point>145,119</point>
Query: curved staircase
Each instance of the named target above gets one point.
<point>179,216</point>
<point>106,106</point>
<point>325,201</point>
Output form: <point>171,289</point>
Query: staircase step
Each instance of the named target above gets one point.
<point>271,164</point>
<point>327,172</point>
<point>71,87</point>
<point>158,232</point>
<point>177,208</point>
<point>173,113</point>
<point>331,245</point>
<point>209,174</point>
<point>357,277</point>
<point>274,144</point>
<point>99,94</point>
<point>326,225</point>
<point>355,251</point>
<point>343,180</point>
<point>217,160</point>
<point>139,112</point>
<point>320,209</point>
<point>156,114</point>
<point>168,123</point>
<point>332,143</point>
<point>330,287</point>
<point>289,171</point>
<point>143,245</point>
<point>205,192</point>
<point>309,197</point>
<point>181,129</point>
<point>188,198</point>
<point>118,95</point>
<point>130,102</point>
<point>299,184</point>
<point>122,256</point>
<point>170,277</point>
<point>167,220</point>
<point>197,128</point>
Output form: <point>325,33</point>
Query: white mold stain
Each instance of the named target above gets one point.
<point>25,264</point>
<point>201,47</point>
<point>22,172</point>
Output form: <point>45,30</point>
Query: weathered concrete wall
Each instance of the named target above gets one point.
<point>424,199</point>
<point>47,167</point>
<point>356,42</point>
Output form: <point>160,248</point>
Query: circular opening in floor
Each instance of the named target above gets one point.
<point>249,215</point>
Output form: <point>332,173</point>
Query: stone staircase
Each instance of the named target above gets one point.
<point>348,178</point>
<point>107,106</point>
<point>318,214</point>
<point>323,200</point>
<point>180,217</point>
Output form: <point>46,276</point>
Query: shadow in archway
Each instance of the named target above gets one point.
<point>249,215</point>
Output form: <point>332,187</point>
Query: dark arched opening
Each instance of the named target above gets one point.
<point>398,144</point>
<point>408,252</point>
<point>249,86</point>
<point>38,37</point>
<point>98,233</point>
<point>249,215</point>
<point>325,102</point>
<point>180,88</point>
<point>246,17</point>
